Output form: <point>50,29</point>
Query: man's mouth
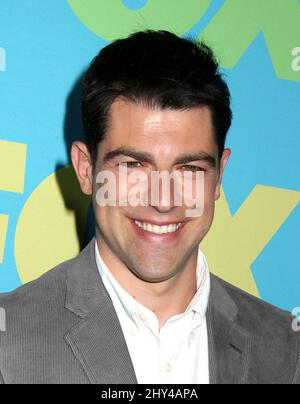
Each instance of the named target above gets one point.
<point>157,232</point>
<point>156,229</point>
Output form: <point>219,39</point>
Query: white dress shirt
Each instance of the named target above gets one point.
<point>178,352</point>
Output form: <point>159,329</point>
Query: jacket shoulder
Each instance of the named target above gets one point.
<point>32,346</point>
<point>272,343</point>
<point>255,314</point>
<point>48,287</point>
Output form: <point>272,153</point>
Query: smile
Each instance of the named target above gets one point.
<point>167,229</point>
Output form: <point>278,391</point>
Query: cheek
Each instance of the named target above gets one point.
<point>205,189</point>
<point>210,186</point>
<point>109,224</point>
<point>104,215</point>
<point>209,198</point>
<point>209,193</point>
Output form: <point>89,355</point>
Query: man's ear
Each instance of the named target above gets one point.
<point>223,164</point>
<point>83,166</point>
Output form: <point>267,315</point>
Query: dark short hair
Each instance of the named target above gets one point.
<point>159,70</point>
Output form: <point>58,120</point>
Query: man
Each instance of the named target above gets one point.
<point>139,305</point>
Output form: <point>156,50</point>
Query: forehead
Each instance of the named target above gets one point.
<point>135,125</point>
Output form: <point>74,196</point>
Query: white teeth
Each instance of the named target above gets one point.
<point>158,229</point>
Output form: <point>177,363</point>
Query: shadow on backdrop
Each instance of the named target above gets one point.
<point>75,201</point>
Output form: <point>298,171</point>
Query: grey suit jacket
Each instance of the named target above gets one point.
<point>63,329</point>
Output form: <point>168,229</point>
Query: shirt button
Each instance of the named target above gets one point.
<point>168,368</point>
<point>192,336</point>
<point>143,317</point>
<point>134,333</point>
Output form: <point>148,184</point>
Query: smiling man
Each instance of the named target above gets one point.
<point>139,304</point>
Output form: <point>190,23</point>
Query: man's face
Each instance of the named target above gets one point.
<point>166,136</point>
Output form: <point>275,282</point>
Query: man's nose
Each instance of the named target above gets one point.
<point>162,195</point>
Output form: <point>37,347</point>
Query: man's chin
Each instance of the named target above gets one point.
<point>151,277</point>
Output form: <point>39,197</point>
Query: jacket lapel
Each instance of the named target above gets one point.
<point>97,340</point>
<point>229,344</point>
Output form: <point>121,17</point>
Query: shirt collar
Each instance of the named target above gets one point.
<point>198,304</point>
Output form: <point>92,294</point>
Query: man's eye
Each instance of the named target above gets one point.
<point>131,164</point>
<point>193,168</point>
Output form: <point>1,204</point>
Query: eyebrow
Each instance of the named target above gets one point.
<point>148,158</point>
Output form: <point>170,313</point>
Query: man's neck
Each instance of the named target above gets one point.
<point>166,299</point>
